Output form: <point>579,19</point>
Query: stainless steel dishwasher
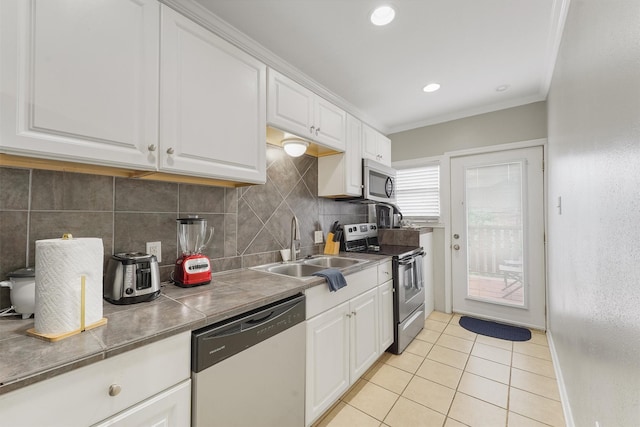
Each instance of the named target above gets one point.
<point>250,370</point>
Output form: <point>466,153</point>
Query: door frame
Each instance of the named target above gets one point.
<point>445,195</point>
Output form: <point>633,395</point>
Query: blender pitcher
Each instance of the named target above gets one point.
<point>192,232</point>
<point>192,268</point>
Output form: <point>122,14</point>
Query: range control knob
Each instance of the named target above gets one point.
<point>128,291</point>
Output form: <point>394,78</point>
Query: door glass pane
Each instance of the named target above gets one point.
<point>494,214</point>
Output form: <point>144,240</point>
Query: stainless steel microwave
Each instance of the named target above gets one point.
<point>379,182</point>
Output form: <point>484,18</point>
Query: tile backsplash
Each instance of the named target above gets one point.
<point>251,223</point>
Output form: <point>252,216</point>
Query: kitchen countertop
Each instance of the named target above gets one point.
<point>26,360</point>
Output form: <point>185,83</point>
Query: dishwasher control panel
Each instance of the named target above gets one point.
<point>214,343</point>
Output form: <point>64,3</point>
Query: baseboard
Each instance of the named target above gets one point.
<point>564,398</point>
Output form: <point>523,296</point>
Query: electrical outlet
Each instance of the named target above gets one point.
<point>155,248</point>
<point>318,237</point>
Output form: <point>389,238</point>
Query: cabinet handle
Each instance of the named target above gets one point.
<point>311,129</point>
<point>348,314</point>
<point>151,147</point>
<point>170,151</point>
<point>354,313</point>
<point>114,390</point>
<point>317,130</point>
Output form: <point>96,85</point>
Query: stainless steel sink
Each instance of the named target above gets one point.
<point>333,261</point>
<point>304,268</point>
<point>295,270</point>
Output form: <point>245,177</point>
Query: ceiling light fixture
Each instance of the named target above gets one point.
<point>382,15</point>
<point>431,87</point>
<point>294,146</point>
<point>502,88</point>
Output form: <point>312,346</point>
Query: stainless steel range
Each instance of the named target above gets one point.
<point>408,282</point>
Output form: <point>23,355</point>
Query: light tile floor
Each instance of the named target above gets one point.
<point>451,377</point>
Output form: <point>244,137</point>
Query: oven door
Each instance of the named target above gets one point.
<point>410,286</point>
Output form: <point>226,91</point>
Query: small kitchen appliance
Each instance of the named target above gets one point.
<point>22,284</point>
<point>192,268</point>
<point>131,277</point>
<point>388,215</point>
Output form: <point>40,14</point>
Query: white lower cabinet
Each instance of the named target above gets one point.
<point>385,298</point>
<point>327,360</point>
<point>346,339</point>
<point>169,408</point>
<point>132,388</point>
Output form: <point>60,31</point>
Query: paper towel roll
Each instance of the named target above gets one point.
<point>60,265</point>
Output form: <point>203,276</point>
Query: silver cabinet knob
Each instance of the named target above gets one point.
<point>114,390</point>
<point>456,247</point>
<point>348,314</point>
<point>317,130</point>
<point>311,129</point>
<point>151,147</point>
<point>170,151</point>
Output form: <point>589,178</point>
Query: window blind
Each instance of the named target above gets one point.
<point>418,191</point>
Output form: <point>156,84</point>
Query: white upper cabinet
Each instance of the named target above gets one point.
<point>79,80</point>
<point>212,104</point>
<point>340,175</point>
<point>295,109</point>
<point>375,146</point>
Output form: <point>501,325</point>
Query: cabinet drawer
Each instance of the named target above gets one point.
<point>81,397</point>
<point>320,299</point>
<point>385,272</point>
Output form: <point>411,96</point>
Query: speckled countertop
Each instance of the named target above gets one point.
<point>26,360</point>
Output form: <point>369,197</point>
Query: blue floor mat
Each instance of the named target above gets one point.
<point>496,330</point>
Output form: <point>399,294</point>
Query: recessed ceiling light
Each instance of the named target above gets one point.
<point>382,15</point>
<point>431,87</point>
<point>502,88</point>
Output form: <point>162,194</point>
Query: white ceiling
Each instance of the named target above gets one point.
<point>470,47</point>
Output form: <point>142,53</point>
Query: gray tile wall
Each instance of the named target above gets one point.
<point>251,223</point>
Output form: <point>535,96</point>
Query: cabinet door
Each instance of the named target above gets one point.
<point>353,155</point>
<point>290,106</point>
<point>375,146</point>
<point>79,80</point>
<point>327,360</point>
<point>365,335</point>
<point>330,124</point>
<point>171,408</point>
<point>385,297</point>
<point>384,150</point>
<point>212,105</point>
<point>370,143</point>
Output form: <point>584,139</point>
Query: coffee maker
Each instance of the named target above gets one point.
<point>192,268</point>
<point>388,215</point>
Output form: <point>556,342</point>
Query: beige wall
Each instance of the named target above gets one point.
<point>593,244</point>
<point>516,124</point>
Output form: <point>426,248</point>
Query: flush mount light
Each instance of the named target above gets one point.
<point>295,147</point>
<point>431,87</point>
<point>382,15</point>
<point>502,88</point>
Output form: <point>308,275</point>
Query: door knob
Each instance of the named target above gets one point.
<point>456,247</point>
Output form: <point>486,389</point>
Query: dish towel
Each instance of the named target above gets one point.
<point>334,278</point>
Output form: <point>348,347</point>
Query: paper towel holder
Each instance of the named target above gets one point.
<point>57,337</point>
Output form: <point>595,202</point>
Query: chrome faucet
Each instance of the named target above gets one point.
<point>295,238</point>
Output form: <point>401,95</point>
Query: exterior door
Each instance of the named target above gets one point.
<point>497,241</point>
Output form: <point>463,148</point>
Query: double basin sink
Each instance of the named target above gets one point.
<point>307,266</point>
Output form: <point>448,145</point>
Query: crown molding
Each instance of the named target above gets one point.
<point>204,17</point>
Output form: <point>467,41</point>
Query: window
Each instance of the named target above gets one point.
<point>418,191</point>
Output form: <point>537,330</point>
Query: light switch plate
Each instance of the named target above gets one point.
<point>318,237</point>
